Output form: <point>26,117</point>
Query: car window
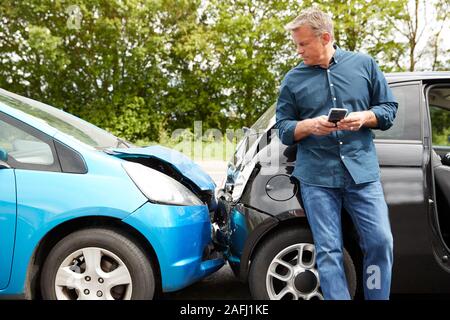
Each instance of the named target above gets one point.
<point>407,122</point>
<point>23,149</point>
<point>439,102</point>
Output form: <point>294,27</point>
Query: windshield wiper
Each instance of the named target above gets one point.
<point>121,141</point>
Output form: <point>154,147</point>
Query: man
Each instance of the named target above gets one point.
<point>337,165</point>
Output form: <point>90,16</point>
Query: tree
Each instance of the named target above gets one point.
<point>421,26</point>
<point>142,68</point>
<point>250,53</point>
<point>362,25</point>
<point>102,71</point>
<point>435,42</point>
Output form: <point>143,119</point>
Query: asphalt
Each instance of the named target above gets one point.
<point>222,285</point>
<point>215,168</point>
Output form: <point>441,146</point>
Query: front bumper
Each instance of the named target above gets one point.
<point>232,230</point>
<point>181,239</point>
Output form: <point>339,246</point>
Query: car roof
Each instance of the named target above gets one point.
<point>414,76</point>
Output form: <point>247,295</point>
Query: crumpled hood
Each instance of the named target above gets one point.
<point>176,159</point>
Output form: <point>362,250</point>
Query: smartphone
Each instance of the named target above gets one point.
<point>337,114</point>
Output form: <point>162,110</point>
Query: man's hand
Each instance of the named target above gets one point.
<point>320,126</point>
<point>355,120</point>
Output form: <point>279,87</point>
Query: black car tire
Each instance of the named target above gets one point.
<point>139,266</point>
<point>277,242</point>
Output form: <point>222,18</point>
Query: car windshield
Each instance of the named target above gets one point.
<point>75,127</point>
<point>264,121</point>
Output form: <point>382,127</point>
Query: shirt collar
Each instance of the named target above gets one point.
<point>334,59</point>
<point>337,54</point>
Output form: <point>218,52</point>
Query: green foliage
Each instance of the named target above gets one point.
<point>229,62</point>
<point>105,72</point>
<point>440,123</point>
<point>143,68</point>
<point>367,26</point>
<point>133,120</point>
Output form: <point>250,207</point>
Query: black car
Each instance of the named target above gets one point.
<point>264,230</point>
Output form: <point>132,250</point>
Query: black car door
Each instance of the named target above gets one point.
<point>401,154</point>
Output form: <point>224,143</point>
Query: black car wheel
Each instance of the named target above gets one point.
<point>284,267</point>
<point>97,264</point>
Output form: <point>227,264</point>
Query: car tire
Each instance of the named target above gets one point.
<point>284,245</point>
<point>97,263</point>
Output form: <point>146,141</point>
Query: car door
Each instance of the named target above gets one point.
<point>438,110</point>
<point>8,210</point>
<point>7,223</point>
<point>25,150</point>
<point>404,157</point>
<point>401,154</point>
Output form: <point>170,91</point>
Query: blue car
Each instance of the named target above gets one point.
<point>86,215</point>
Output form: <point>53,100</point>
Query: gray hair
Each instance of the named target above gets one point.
<point>318,20</point>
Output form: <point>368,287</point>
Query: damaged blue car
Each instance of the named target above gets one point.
<point>86,215</point>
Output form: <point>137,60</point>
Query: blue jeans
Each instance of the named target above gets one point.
<point>368,210</point>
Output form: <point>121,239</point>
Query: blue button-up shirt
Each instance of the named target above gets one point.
<point>352,81</point>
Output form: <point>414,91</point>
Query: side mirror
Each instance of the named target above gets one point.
<point>4,165</point>
<point>446,159</point>
<point>3,155</point>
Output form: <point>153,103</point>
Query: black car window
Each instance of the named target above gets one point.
<point>407,122</point>
<point>439,102</point>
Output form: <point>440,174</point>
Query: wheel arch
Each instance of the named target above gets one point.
<point>264,231</point>
<point>60,231</point>
<point>254,242</point>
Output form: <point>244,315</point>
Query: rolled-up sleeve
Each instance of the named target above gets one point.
<point>286,115</point>
<point>383,103</point>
